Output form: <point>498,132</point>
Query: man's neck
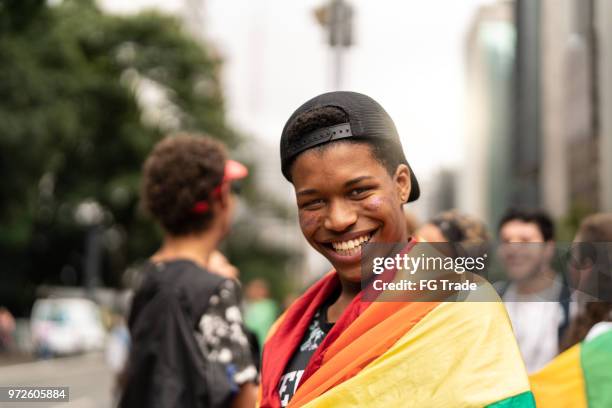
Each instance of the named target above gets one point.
<point>196,248</point>
<point>348,292</point>
<point>541,281</point>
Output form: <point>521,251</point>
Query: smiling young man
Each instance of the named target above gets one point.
<point>536,296</point>
<point>342,153</point>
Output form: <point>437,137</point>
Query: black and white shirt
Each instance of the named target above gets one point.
<point>318,329</point>
<point>222,336</point>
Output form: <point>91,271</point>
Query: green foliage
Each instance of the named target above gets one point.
<point>73,128</point>
<point>16,14</point>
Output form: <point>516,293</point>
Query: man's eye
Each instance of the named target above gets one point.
<point>358,192</point>
<point>312,204</point>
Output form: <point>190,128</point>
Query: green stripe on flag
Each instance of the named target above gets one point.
<point>524,400</point>
<point>596,360</point>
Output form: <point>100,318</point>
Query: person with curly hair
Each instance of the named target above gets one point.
<point>189,344</point>
<point>593,289</point>
<point>454,226</point>
<point>582,374</point>
<point>459,231</point>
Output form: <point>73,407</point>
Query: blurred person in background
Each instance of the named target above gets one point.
<point>7,329</point>
<point>455,227</point>
<point>189,346</point>
<point>535,295</point>
<point>342,153</point>
<point>581,376</point>
<point>116,351</point>
<point>118,344</point>
<point>592,315</point>
<point>260,310</point>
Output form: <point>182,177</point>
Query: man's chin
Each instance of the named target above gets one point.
<point>522,277</point>
<point>350,276</point>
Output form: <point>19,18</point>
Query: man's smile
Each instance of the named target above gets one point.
<point>347,247</point>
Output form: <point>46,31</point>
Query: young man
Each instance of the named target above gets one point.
<point>535,295</point>
<point>343,155</point>
<point>189,345</point>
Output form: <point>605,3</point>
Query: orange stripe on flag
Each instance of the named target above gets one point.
<point>367,338</point>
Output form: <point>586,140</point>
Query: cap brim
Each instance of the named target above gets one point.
<point>235,170</point>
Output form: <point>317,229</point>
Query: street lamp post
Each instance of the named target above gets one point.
<point>91,215</point>
<point>337,18</point>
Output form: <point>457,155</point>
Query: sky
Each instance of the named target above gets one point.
<point>408,55</point>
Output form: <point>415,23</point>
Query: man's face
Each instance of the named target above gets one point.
<point>346,198</point>
<point>225,209</point>
<point>523,250</point>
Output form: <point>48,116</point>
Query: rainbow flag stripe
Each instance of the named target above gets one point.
<point>450,355</point>
<point>580,377</point>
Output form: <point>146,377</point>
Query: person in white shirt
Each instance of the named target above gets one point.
<point>535,295</point>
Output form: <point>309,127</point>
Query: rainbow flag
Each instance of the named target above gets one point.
<point>580,377</point>
<point>402,354</point>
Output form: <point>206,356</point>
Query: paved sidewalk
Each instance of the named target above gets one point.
<point>88,377</point>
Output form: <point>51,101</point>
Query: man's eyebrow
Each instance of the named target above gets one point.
<point>307,192</point>
<point>349,183</point>
<point>356,180</point>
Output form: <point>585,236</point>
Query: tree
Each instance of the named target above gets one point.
<point>83,98</point>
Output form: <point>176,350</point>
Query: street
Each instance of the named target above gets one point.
<point>88,377</point>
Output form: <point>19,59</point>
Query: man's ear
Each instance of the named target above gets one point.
<point>224,197</point>
<point>402,182</point>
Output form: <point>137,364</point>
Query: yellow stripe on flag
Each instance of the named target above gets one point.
<point>560,384</point>
<point>459,355</point>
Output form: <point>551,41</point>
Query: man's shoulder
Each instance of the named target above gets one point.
<point>189,277</point>
<point>186,283</point>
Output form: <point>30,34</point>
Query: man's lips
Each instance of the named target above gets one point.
<point>347,248</point>
<point>347,237</point>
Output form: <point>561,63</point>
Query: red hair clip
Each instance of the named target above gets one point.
<point>233,171</point>
<point>200,207</point>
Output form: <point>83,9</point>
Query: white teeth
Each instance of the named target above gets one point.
<point>350,245</point>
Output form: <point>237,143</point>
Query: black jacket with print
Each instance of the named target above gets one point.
<point>166,367</point>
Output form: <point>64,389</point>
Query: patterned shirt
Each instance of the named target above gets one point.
<point>314,336</point>
<point>222,336</point>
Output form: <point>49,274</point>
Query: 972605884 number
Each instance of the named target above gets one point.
<point>16,394</point>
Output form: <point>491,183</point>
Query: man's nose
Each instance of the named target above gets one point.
<point>341,215</point>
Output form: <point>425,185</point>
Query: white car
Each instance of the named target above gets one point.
<point>66,326</point>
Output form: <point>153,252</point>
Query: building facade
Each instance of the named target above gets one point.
<point>540,107</point>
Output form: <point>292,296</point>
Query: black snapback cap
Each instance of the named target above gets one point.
<point>367,121</point>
